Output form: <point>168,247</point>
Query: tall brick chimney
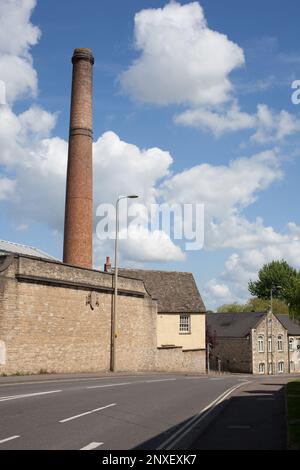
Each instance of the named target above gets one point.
<point>78,235</point>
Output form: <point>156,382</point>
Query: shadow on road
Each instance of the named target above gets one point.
<point>253,419</point>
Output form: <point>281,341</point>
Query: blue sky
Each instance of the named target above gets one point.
<point>246,170</point>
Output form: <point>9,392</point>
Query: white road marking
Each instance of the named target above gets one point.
<point>201,377</point>
<point>82,379</point>
<point>92,445</point>
<point>172,441</point>
<point>159,380</point>
<point>112,385</point>
<point>27,395</point>
<point>87,413</point>
<point>9,439</point>
<point>130,383</point>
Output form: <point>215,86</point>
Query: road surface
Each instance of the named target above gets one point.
<point>108,412</point>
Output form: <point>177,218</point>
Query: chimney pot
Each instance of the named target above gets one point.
<point>107,266</point>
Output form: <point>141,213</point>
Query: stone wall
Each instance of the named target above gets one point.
<point>178,360</point>
<point>57,318</point>
<point>234,354</point>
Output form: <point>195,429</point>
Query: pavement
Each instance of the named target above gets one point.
<point>253,419</point>
<point>140,411</point>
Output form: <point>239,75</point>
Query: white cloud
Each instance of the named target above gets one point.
<point>182,60</point>
<point>244,265</point>
<point>122,168</point>
<point>224,188</point>
<point>156,246</point>
<point>235,231</point>
<point>274,127</point>
<point>7,187</point>
<point>17,35</point>
<point>269,125</point>
<point>176,66</point>
<point>232,120</point>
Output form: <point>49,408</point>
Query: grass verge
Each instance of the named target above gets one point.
<point>293,414</point>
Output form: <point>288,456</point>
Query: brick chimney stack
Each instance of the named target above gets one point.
<point>78,234</point>
<point>107,266</point>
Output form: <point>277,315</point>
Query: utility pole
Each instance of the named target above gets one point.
<point>207,358</point>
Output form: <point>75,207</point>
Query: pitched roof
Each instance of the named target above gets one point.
<point>10,247</point>
<point>176,292</point>
<point>292,326</point>
<point>233,325</point>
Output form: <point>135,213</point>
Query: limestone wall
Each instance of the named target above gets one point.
<point>47,320</point>
<point>178,360</point>
<point>57,318</point>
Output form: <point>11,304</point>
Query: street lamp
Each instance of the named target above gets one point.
<point>114,311</point>
<point>270,345</point>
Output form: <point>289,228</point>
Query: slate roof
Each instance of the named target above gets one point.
<point>233,325</point>
<point>176,292</point>
<point>10,247</point>
<point>292,326</point>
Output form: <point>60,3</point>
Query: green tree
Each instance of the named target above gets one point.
<point>294,299</point>
<point>279,276</point>
<point>230,308</point>
<point>262,305</point>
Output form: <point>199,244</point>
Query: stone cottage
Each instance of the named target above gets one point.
<point>180,308</point>
<point>254,342</point>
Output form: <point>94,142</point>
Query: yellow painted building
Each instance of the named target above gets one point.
<point>180,308</point>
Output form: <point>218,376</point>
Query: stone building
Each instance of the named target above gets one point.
<point>254,342</point>
<point>56,317</point>
<point>293,331</point>
<point>180,308</point>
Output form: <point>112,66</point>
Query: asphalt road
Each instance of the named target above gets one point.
<point>145,411</point>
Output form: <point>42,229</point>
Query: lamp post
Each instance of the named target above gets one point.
<point>114,311</point>
<point>270,349</point>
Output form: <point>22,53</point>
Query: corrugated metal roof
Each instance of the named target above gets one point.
<point>11,247</point>
<point>176,292</point>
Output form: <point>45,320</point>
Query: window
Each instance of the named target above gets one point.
<point>261,343</point>
<point>270,344</point>
<point>261,368</point>
<point>280,367</point>
<point>280,343</point>
<point>270,368</point>
<point>291,344</point>
<point>185,324</point>
<point>292,366</point>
